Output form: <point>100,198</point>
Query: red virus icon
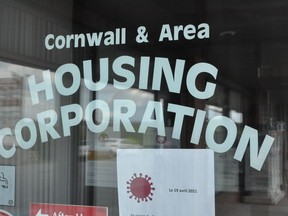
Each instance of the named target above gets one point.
<point>140,188</point>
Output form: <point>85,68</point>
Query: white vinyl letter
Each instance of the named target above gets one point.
<point>45,86</point>
<point>45,127</point>
<point>97,106</point>
<point>127,74</point>
<point>76,79</point>
<point>28,123</point>
<point>147,121</point>
<point>4,152</point>
<point>88,78</point>
<point>180,112</point>
<point>221,121</point>
<point>47,39</point>
<point>120,116</point>
<point>68,122</point>
<point>251,135</point>
<point>193,72</point>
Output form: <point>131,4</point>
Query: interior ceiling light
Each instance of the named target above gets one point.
<point>227,33</point>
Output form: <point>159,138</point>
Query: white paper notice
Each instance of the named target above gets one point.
<point>166,182</point>
<point>7,185</point>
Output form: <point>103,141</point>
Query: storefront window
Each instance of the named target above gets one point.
<point>151,108</point>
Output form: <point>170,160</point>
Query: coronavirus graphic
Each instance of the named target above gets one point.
<point>140,187</point>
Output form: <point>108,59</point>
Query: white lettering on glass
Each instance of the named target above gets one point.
<point>45,85</point>
<point>256,159</point>
<point>180,112</point>
<point>157,122</point>
<point>188,32</point>
<point>102,109</point>
<point>116,37</point>
<point>123,117</point>
<point>229,125</point>
<point>125,69</point>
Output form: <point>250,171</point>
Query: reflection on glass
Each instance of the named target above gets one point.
<point>237,117</point>
<point>213,111</point>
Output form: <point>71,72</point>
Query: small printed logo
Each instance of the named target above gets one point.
<point>140,187</point>
<point>3,181</point>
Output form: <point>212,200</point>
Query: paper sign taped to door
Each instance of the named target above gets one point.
<point>166,182</point>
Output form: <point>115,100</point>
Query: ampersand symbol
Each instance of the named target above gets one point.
<point>142,36</point>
